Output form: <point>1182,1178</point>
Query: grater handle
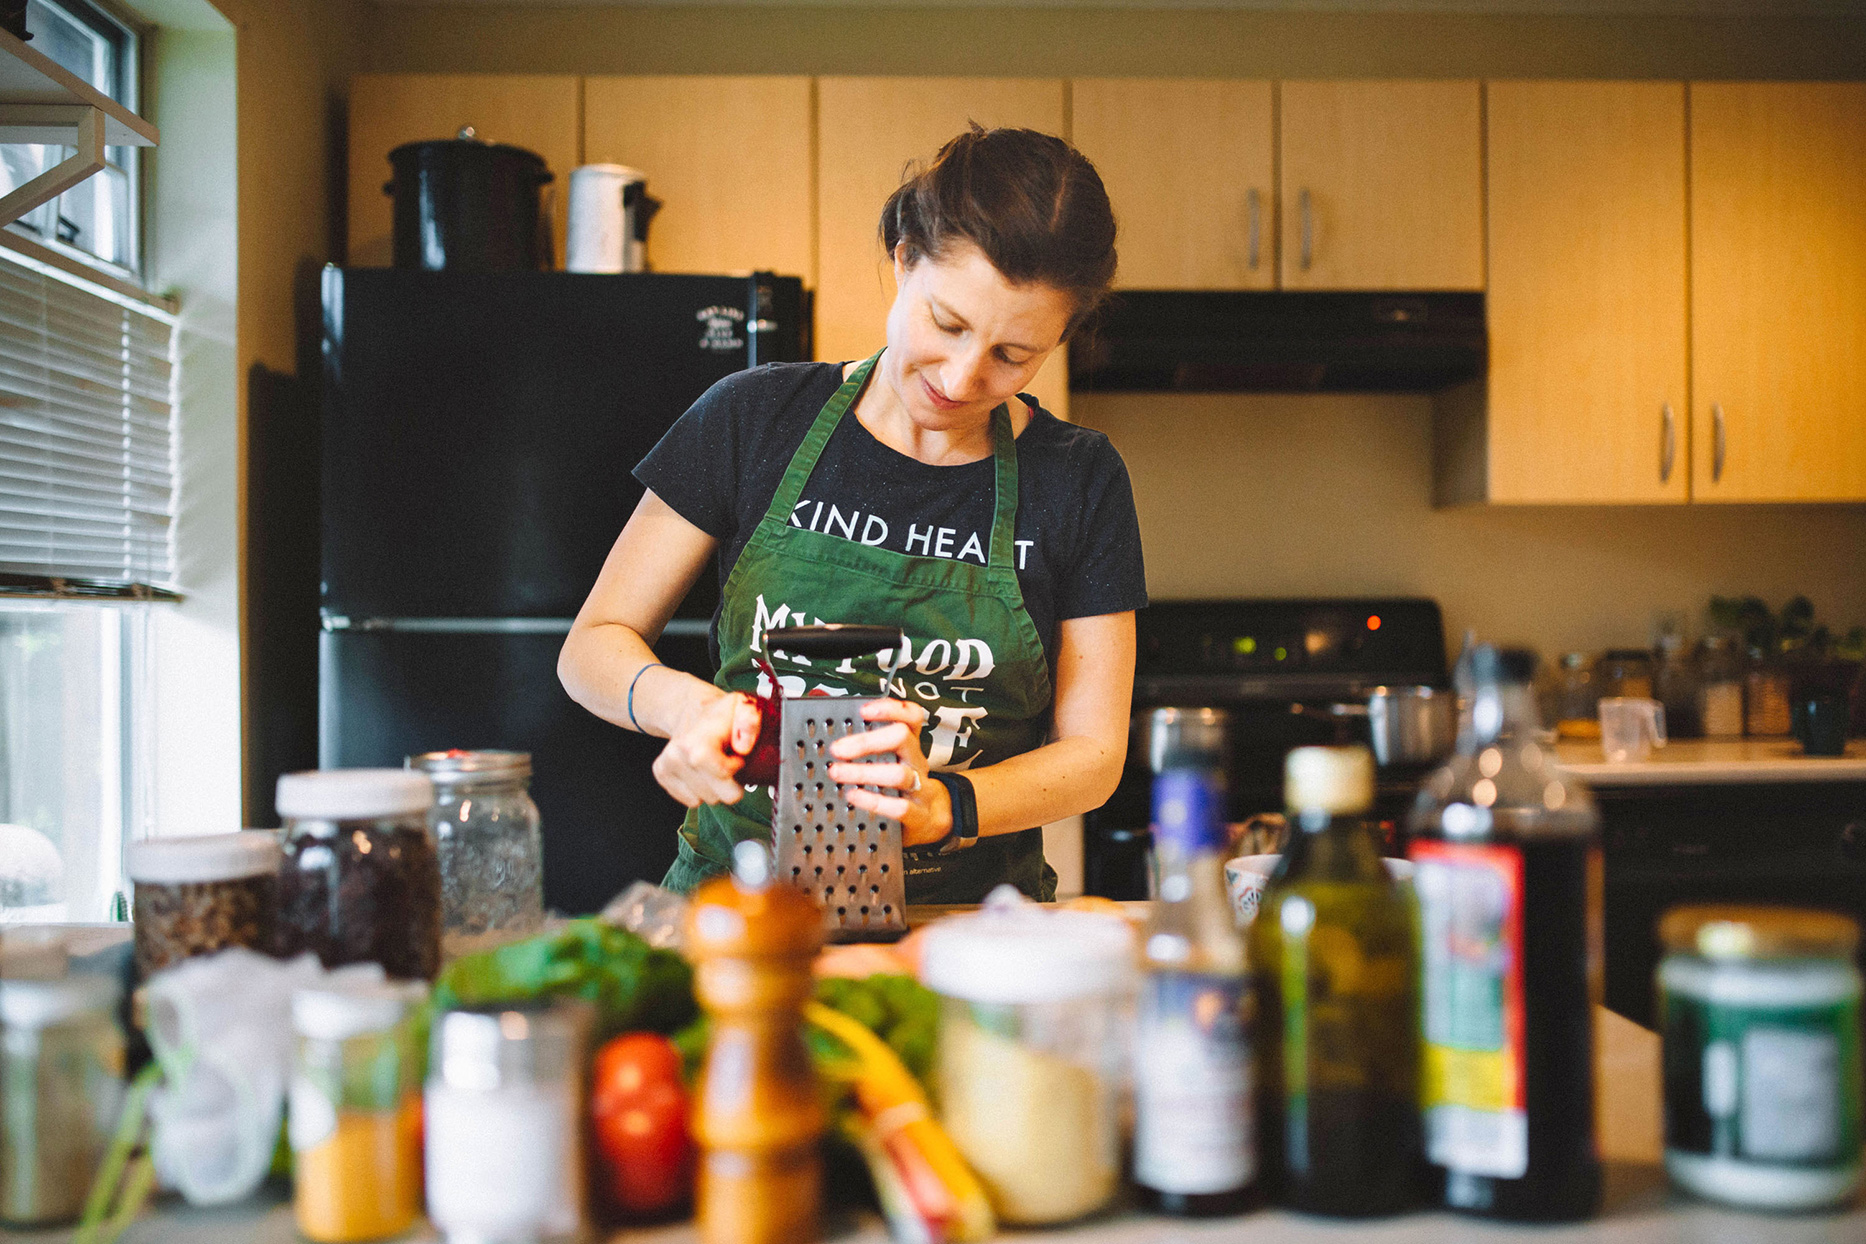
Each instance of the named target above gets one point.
<point>833,641</point>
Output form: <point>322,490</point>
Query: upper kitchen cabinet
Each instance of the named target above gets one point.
<point>729,158</point>
<point>1382,185</point>
<point>868,131</point>
<point>1190,166</point>
<point>1778,291</point>
<point>538,112</point>
<point>1586,392</point>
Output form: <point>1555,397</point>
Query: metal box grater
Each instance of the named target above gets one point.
<point>846,858</point>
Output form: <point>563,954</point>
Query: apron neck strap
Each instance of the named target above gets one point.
<point>803,464</point>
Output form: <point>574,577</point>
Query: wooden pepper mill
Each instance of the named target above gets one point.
<point>759,1115</point>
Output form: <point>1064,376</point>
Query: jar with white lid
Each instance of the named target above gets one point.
<point>1035,1012</point>
<point>491,846</point>
<point>1760,1017</point>
<point>203,893</point>
<point>61,1079</point>
<point>355,1121</point>
<point>504,1107</point>
<point>360,881</point>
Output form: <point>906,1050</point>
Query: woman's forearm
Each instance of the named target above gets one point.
<point>600,664</point>
<point>1059,779</point>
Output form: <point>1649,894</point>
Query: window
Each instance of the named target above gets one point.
<point>97,217</point>
<point>88,380</point>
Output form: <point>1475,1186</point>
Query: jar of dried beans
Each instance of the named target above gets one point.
<point>491,847</point>
<point>204,893</point>
<point>360,881</point>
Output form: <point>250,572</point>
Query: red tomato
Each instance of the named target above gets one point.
<point>640,1107</point>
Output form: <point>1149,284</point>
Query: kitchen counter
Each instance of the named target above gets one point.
<point>1639,1206</point>
<point>1690,762</point>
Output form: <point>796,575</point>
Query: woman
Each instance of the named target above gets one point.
<point>917,488</point>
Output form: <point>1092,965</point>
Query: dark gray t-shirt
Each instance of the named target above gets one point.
<point>1078,537</point>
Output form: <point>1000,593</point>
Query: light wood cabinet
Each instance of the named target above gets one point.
<point>1778,291</point>
<point>1586,397</point>
<point>868,131</point>
<point>1382,185</point>
<point>539,112</point>
<point>1190,167</point>
<point>729,158</point>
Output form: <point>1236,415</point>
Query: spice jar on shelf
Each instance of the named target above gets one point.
<point>203,893</point>
<point>355,1112</point>
<point>1760,1021</point>
<point>360,881</point>
<point>487,833</point>
<point>1035,1012</point>
<point>1766,703</point>
<point>505,1123</point>
<point>61,1073</point>
<point>1720,687</point>
<point>1624,672</point>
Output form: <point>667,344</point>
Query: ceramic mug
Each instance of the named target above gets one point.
<point>1247,875</point>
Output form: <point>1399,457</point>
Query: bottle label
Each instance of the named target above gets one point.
<point>1771,1084</point>
<point>1194,1130</point>
<point>1472,1091</point>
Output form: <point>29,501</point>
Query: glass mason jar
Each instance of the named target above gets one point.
<point>505,1105</point>
<point>360,881</point>
<point>1035,1019</point>
<point>61,1079</point>
<point>491,845</point>
<point>199,894</point>
<point>355,1112</point>
<point>1759,1013</point>
<point>1720,687</point>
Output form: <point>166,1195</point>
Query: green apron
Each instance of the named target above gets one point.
<point>974,662</point>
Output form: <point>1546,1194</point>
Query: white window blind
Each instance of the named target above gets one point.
<point>87,437</point>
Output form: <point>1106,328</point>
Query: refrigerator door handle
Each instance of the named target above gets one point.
<point>697,628</point>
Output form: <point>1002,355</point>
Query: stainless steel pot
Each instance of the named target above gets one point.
<point>1411,725</point>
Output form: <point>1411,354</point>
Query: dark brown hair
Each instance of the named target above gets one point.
<point>1031,202</point>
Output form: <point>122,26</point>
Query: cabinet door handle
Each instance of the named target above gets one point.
<point>1716,442</point>
<point>1253,206</point>
<point>1668,444</point>
<point>1304,209</point>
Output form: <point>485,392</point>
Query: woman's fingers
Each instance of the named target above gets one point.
<point>746,720</point>
<point>912,715</point>
<point>696,766</point>
<point>900,776</point>
<point>893,737</point>
<point>892,806</point>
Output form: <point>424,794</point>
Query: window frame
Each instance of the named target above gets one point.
<point>126,35</point>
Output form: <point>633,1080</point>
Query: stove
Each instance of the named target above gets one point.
<point>1280,668</point>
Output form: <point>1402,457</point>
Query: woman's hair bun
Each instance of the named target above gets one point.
<point>1032,203</point>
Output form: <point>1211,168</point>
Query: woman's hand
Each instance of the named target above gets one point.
<point>708,748</point>
<point>921,805</point>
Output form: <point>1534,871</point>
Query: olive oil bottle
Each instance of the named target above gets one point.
<point>1506,848</point>
<point>1334,953</point>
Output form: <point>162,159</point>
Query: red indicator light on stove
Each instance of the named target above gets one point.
<point>1373,621</point>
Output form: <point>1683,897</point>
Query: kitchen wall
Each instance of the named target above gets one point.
<point>1331,494</point>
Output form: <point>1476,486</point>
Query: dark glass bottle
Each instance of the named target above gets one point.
<point>1195,1153</point>
<point>1334,952</point>
<point>1507,852</point>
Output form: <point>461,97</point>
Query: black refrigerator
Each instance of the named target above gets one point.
<point>479,433</point>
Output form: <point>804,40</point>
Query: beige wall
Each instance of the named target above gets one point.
<point>1331,495</point>
<point>760,38</point>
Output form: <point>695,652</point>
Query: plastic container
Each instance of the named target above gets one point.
<point>491,846</point>
<point>504,1122</point>
<point>1035,1017</point>
<point>200,894</point>
<point>355,1112</point>
<point>61,1078</point>
<point>1759,1016</point>
<point>360,881</point>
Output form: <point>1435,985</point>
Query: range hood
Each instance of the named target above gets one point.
<point>1206,341</point>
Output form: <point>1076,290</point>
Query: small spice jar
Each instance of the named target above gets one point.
<point>1624,672</point>
<point>1720,687</point>
<point>200,894</point>
<point>1767,709</point>
<point>491,846</point>
<point>504,1122</point>
<point>1032,1053</point>
<point>61,1079</point>
<point>355,1112</point>
<point>1760,1018</point>
<point>360,881</point>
